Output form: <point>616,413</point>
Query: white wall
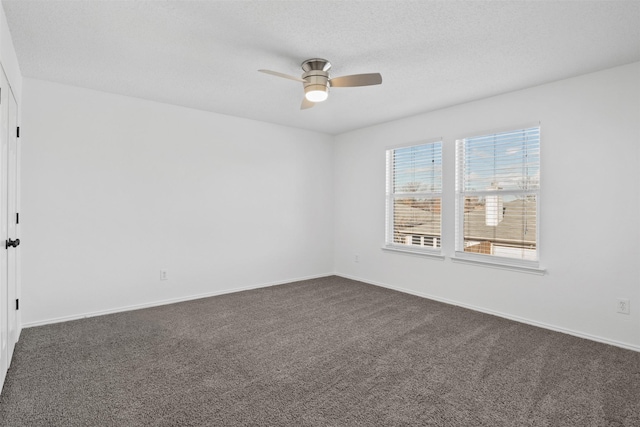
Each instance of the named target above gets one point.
<point>116,188</point>
<point>9,60</point>
<point>590,212</point>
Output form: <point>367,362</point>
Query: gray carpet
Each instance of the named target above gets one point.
<point>323,352</point>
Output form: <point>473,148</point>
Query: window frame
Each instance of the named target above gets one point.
<point>503,262</point>
<point>391,196</point>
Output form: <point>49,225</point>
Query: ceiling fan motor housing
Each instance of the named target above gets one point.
<point>316,73</point>
<point>316,80</point>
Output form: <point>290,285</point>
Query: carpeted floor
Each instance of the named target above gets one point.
<point>323,352</point>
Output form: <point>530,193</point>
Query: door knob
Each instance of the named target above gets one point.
<point>13,243</point>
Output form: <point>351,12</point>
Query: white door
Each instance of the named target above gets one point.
<point>8,227</point>
<point>4,288</point>
<point>12,210</point>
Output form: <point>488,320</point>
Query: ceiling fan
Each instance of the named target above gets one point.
<point>317,81</point>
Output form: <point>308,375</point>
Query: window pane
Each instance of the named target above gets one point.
<point>414,184</point>
<point>418,168</point>
<point>497,183</point>
<point>501,225</point>
<point>416,221</point>
<point>505,161</point>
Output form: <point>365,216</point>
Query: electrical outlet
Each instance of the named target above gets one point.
<point>356,258</point>
<point>164,275</point>
<point>623,306</point>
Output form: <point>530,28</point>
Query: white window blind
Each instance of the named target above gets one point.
<point>414,196</point>
<point>497,193</point>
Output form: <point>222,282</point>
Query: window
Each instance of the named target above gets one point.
<point>497,193</point>
<point>414,196</point>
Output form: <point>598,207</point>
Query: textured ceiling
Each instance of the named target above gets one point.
<point>431,54</point>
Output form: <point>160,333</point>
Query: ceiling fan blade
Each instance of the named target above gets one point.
<point>356,80</point>
<point>306,103</point>
<point>286,76</point>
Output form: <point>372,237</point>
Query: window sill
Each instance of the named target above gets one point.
<point>485,261</point>
<point>419,252</point>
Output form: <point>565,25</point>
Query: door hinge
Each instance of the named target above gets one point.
<point>17,218</point>
<point>18,132</point>
<point>17,304</point>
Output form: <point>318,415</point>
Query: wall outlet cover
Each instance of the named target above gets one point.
<point>623,306</point>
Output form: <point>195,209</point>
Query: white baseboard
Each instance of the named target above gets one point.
<point>499,314</point>
<point>165,302</point>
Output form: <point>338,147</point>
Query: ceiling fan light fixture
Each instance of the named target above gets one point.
<point>316,93</point>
